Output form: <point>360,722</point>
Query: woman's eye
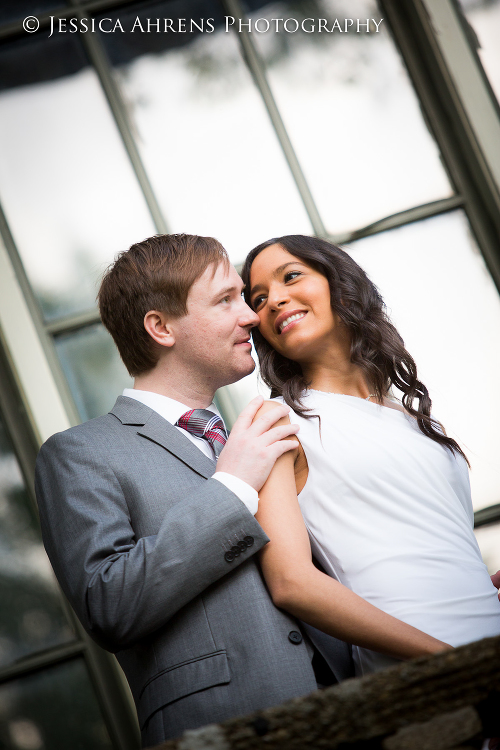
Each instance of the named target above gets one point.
<point>291,275</point>
<point>258,301</point>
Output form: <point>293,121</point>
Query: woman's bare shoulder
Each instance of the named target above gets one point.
<point>301,468</point>
<point>268,406</point>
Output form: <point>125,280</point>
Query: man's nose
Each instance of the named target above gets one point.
<point>248,316</point>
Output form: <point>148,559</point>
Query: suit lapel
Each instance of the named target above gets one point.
<point>153,427</point>
<point>163,433</point>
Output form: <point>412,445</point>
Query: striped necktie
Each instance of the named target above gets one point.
<point>205,424</point>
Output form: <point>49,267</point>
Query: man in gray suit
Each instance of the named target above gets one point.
<point>153,546</point>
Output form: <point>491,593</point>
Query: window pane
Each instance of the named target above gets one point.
<point>484,17</point>
<point>351,113</point>
<point>28,59</point>
<point>94,370</point>
<point>13,10</point>
<point>31,615</point>
<point>207,142</point>
<point>488,538</point>
<point>52,710</point>
<point>67,187</point>
<point>445,305</point>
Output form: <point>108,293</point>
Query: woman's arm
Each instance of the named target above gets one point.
<point>297,586</point>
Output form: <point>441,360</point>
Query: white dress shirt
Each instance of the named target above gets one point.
<point>171,411</point>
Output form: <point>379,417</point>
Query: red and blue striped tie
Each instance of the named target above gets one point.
<point>207,425</point>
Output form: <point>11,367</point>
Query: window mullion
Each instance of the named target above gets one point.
<point>474,100</point>
<point>26,341</point>
<point>487,516</point>
<point>419,40</point>
<point>41,660</point>
<point>99,59</point>
<point>257,70</point>
<point>400,219</point>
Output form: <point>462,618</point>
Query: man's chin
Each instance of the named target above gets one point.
<point>241,371</point>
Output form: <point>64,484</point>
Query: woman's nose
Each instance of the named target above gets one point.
<point>278,297</point>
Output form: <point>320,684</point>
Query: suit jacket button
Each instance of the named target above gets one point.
<point>249,540</point>
<point>236,551</point>
<point>242,546</point>
<point>229,557</point>
<point>294,636</point>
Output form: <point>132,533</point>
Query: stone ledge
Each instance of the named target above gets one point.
<point>451,700</point>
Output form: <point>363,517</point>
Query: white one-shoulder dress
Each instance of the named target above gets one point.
<point>389,515</point>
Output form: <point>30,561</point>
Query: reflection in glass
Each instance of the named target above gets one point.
<point>206,140</point>
<point>94,370</point>
<point>445,305</point>
<point>52,710</point>
<point>488,538</point>
<point>351,113</point>
<point>67,187</point>
<point>19,9</point>
<point>31,616</point>
<point>484,17</point>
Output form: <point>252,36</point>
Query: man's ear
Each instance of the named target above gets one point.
<point>159,327</point>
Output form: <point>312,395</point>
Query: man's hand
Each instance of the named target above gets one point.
<point>252,449</point>
<point>495,579</point>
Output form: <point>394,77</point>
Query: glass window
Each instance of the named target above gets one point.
<point>31,615</point>
<point>444,303</point>
<point>55,709</point>
<point>351,112</point>
<point>207,142</point>
<point>484,17</point>
<point>488,538</point>
<point>94,370</point>
<point>67,187</point>
<point>12,10</point>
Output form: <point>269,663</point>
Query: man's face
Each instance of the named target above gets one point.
<point>213,339</point>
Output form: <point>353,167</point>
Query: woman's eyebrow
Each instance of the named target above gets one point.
<point>276,272</point>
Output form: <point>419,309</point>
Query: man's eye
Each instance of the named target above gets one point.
<point>291,275</point>
<point>227,298</point>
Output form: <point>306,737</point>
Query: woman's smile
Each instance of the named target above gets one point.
<point>285,321</point>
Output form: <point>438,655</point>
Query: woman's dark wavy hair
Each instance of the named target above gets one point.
<point>376,346</point>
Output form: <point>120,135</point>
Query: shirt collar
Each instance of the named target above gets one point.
<point>166,407</point>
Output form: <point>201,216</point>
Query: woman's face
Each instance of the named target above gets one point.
<point>292,300</point>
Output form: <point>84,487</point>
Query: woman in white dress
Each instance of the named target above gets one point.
<point>375,487</point>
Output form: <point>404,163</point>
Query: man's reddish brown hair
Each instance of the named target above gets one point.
<point>155,274</point>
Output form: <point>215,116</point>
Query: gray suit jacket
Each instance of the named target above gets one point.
<point>137,533</point>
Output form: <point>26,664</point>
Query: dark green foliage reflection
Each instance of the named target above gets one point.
<point>52,710</point>
<point>31,615</point>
